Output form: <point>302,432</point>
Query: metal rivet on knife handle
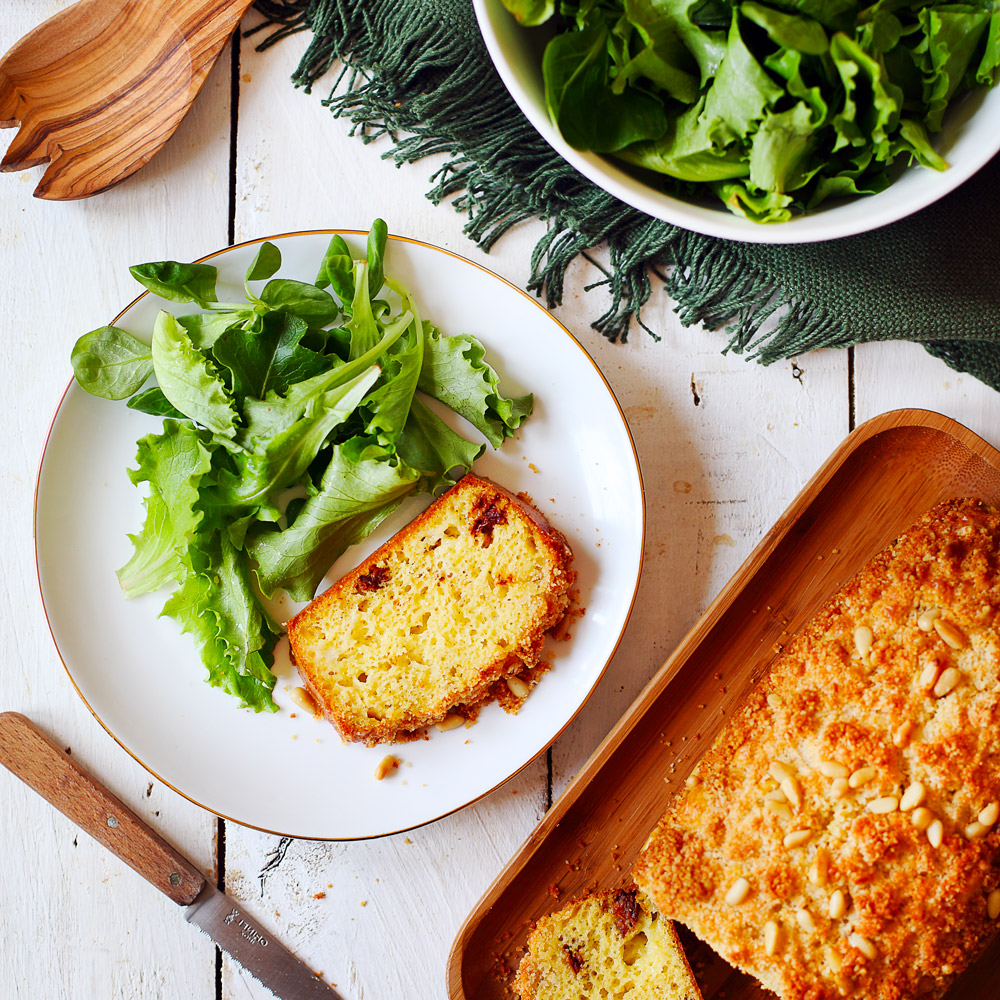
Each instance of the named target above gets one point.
<point>36,760</point>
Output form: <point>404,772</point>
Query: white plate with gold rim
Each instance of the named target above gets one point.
<point>287,772</point>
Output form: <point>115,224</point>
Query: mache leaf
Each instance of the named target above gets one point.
<point>265,263</point>
<point>316,306</point>
<point>153,402</point>
<point>337,270</point>
<point>178,282</point>
<point>111,363</point>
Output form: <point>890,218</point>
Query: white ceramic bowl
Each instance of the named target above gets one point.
<point>970,138</point>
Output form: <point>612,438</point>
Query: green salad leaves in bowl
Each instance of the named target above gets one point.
<point>826,117</point>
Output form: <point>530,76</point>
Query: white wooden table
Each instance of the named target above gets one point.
<point>724,446</point>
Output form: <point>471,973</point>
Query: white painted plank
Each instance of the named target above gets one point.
<point>896,375</point>
<point>76,922</point>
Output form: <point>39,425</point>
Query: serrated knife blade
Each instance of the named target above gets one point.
<point>267,959</point>
<point>31,755</point>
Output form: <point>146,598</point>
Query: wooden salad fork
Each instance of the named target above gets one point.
<point>101,86</point>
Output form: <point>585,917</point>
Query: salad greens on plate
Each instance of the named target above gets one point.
<point>771,107</point>
<point>294,423</point>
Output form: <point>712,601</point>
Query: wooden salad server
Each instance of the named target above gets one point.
<point>100,87</point>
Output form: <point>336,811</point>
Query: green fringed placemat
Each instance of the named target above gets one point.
<point>418,71</point>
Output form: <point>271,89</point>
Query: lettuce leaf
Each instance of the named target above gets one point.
<point>189,379</point>
<point>217,606</point>
<point>174,463</point>
<point>455,371</point>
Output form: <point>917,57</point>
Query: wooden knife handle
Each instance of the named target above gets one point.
<point>50,771</point>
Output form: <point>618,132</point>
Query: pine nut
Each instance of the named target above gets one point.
<point>780,809</point>
<point>451,721</point>
<point>929,674</point>
<point>947,682</point>
<point>901,737</point>
<point>805,921</point>
<point>304,700</point>
<point>922,818</point>
<point>775,795</point>
<point>833,959</point>
<point>774,702</point>
<point>861,776</point>
<point>839,788</point>
<point>797,838</point>
<point>820,868</point>
<point>990,814</point>
<point>772,937</point>
<point>738,892</point>
<point>935,833</point>
<point>863,639</point>
<point>884,805</point>
<point>926,620</point>
<point>913,796</point>
<point>385,766</point>
<point>779,771</point>
<point>838,904</point>
<point>951,634</point>
<point>863,945</point>
<point>517,687</point>
<point>793,792</point>
<point>993,904</point>
<point>831,769</point>
<point>976,831</point>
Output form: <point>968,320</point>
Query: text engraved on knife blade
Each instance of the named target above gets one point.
<point>247,930</point>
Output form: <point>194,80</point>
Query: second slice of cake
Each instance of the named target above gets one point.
<point>457,600</point>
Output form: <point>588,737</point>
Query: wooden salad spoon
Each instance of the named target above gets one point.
<point>101,86</point>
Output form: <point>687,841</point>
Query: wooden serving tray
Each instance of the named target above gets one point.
<point>885,474</point>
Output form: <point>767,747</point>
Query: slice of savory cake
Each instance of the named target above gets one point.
<point>611,945</point>
<point>458,599</point>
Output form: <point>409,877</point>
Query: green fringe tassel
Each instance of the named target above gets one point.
<point>414,73</point>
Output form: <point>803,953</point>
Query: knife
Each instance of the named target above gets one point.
<point>36,760</point>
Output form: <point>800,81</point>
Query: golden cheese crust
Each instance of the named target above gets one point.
<point>840,836</point>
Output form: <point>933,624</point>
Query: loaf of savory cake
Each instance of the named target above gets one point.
<point>608,946</point>
<point>840,836</point>
<point>456,601</point>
